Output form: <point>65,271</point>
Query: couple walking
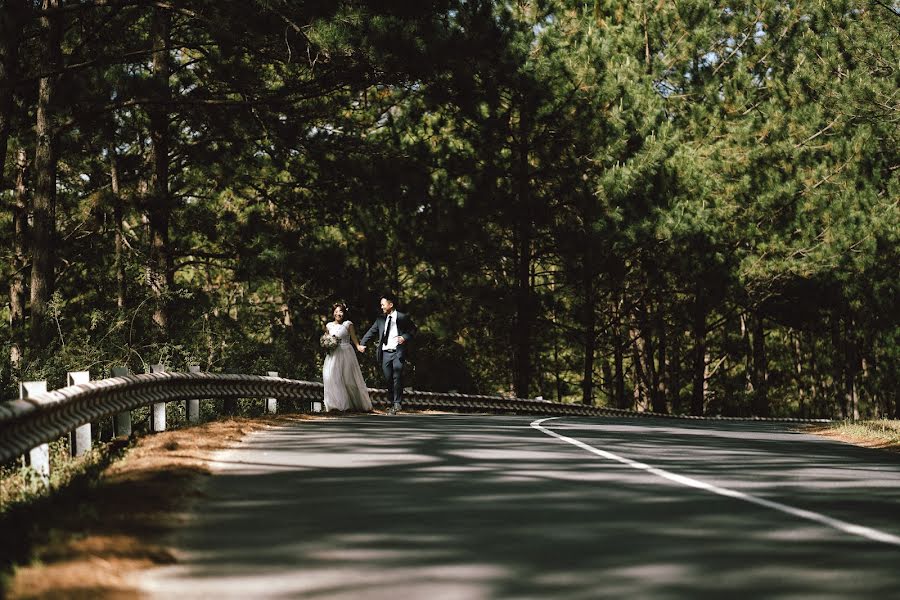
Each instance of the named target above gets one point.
<point>345,388</point>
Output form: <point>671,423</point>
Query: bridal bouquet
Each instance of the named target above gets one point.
<point>329,343</point>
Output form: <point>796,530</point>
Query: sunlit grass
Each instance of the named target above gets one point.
<point>884,433</point>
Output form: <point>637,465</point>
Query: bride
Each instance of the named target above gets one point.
<point>345,388</point>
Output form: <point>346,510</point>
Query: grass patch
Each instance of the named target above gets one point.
<point>881,433</point>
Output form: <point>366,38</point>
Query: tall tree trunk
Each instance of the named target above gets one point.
<point>590,329</point>
<point>661,374</point>
<point>640,346</point>
<point>653,327</point>
<point>159,210</point>
<point>524,240</point>
<point>118,223</point>
<point>872,398</point>
<point>797,355</point>
<point>878,398</point>
<point>608,382</point>
<point>522,335</point>
<point>287,318</point>
<point>893,399</point>
<point>589,295</point>
<point>637,391</point>
<point>851,369</point>
<point>818,407</point>
<point>761,406</point>
<point>621,401</point>
<point>747,346</point>
<point>647,347</point>
<point>698,393</point>
<point>44,200</point>
<point>674,368</point>
<point>17,287</point>
<point>852,398</point>
<point>10,25</point>
<point>557,371</point>
<point>838,390</point>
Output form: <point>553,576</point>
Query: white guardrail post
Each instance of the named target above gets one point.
<point>123,419</point>
<point>158,413</point>
<point>82,438</point>
<point>39,456</point>
<point>192,406</point>
<point>272,403</point>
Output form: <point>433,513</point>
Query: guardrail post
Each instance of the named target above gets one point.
<point>272,403</point>
<point>123,419</point>
<point>39,456</point>
<point>192,406</point>
<point>82,437</point>
<point>158,414</point>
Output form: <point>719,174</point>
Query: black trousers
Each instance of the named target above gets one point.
<point>392,367</point>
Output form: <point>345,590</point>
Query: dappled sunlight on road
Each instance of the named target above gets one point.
<point>485,507</point>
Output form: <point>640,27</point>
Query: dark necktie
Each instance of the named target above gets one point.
<point>387,329</point>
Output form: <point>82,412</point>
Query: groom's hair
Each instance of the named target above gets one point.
<point>390,298</point>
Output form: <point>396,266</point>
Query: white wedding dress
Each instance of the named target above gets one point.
<point>345,388</point>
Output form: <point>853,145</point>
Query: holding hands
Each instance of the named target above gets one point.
<point>400,340</point>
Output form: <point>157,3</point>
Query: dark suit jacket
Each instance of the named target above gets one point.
<point>405,328</point>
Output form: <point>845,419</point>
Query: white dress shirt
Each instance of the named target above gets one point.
<point>391,343</point>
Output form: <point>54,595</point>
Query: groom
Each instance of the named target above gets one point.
<point>394,331</point>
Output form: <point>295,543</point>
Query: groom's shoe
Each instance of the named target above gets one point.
<point>393,410</point>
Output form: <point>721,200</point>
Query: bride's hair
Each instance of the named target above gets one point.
<point>342,305</point>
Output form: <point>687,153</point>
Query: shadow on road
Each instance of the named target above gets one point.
<point>463,507</point>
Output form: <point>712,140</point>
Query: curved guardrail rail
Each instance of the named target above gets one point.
<point>27,423</point>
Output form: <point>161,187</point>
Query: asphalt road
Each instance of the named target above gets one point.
<point>471,507</point>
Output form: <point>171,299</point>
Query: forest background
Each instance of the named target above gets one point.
<point>678,206</point>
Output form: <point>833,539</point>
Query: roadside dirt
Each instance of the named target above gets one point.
<point>122,525</point>
<point>865,442</point>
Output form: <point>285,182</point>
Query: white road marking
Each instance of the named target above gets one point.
<point>851,528</point>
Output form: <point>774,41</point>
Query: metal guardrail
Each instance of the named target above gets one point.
<point>27,423</point>
<point>448,401</point>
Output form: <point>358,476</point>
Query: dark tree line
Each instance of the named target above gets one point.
<point>671,207</point>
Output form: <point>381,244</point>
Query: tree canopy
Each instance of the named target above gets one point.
<point>682,207</point>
